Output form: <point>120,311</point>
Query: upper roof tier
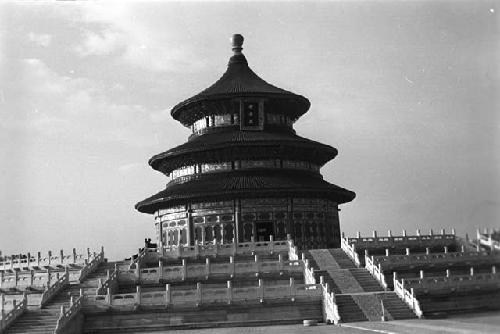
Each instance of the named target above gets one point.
<point>239,81</point>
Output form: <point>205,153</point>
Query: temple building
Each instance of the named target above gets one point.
<point>244,174</point>
<point>248,234</point>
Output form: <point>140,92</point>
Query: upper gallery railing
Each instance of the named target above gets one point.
<point>393,241</point>
<point>486,239</point>
<point>27,261</point>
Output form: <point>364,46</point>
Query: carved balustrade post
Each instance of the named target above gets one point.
<point>472,271</point>
<point>418,232</point>
<point>207,267</point>
<point>257,265</point>
<point>404,233</point>
<point>88,253</point>
<point>431,232</point>
<point>443,231</point>
<point>160,270</point>
<point>421,274</point>
<point>271,244</point>
<point>184,269</point>
<point>232,267</point>
<point>32,277</point>
<point>38,258</point>
<point>292,289</point>
<point>168,295</point>
<point>453,231</point>
<point>321,280</point>
<point>28,260</point>
<point>199,294</point>
<point>375,234</point>
<point>229,292</point>
<point>61,256</point>
<point>447,272</point>
<point>50,257</point>
<point>358,234</point>
<point>386,251</point>
<point>493,270</point>
<point>389,233</point>
<point>427,250</point>
<point>138,299</point>
<point>261,290</point>
<point>407,251</point>
<point>74,255</point>
<point>462,248</point>
<point>234,246</point>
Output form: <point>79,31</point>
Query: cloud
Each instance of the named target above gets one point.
<point>66,108</point>
<point>115,29</point>
<point>100,44</point>
<point>43,40</point>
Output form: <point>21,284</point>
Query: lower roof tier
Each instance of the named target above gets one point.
<point>239,184</point>
<point>235,144</point>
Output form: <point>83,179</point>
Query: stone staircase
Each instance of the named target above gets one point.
<point>343,261</point>
<point>365,280</point>
<point>348,309</point>
<point>43,320</point>
<point>358,294</point>
<point>397,309</point>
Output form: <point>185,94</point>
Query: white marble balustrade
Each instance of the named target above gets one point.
<point>199,296</point>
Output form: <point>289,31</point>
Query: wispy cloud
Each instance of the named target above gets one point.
<point>43,40</point>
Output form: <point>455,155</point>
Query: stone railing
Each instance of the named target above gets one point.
<point>67,315</point>
<point>330,309</point>
<point>408,297</point>
<point>268,247</point>
<point>199,271</point>
<point>91,265</point>
<point>200,296</point>
<point>350,250</point>
<point>293,251</point>
<point>54,289</point>
<point>8,318</point>
<point>487,241</point>
<point>395,241</point>
<point>110,283</point>
<point>472,282</point>
<point>308,272</point>
<point>27,261</point>
<point>435,258</point>
<point>375,271</point>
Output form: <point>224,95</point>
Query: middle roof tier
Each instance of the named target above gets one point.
<point>234,144</point>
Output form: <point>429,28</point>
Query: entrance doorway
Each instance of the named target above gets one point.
<point>264,230</point>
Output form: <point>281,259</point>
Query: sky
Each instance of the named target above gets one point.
<point>408,92</point>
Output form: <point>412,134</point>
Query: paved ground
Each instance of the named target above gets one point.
<point>478,323</point>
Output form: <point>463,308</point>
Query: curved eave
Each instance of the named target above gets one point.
<point>238,184</point>
<point>264,144</point>
<point>240,81</point>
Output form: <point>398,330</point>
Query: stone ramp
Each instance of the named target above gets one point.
<point>266,314</point>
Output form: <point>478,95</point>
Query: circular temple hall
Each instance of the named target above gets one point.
<point>244,174</point>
